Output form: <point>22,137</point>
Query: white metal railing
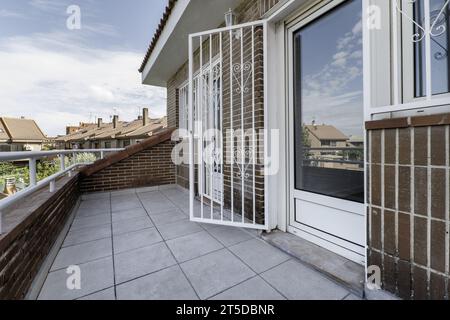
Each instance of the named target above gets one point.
<point>50,181</point>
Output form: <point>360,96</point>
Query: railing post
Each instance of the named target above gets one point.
<point>102,154</point>
<point>74,158</point>
<point>32,169</point>
<point>52,186</point>
<point>1,217</point>
<point>62,158</point>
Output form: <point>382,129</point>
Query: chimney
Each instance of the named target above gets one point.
<point>145,116</point>
<point>115,121</point>
<point>99,122</point>
<point>10,186</point>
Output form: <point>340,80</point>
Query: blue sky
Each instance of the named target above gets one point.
<point>59,76</point>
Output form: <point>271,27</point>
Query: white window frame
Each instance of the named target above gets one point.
<point>183,109</point>
<point>394,94</point>
<point>407,59</point>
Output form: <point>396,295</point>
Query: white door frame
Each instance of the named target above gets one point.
<point>342,247</point>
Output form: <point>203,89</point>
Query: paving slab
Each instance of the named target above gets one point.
<point>78,254</point>
<point>130,225</point>
<point>167,284</point>
<point>87,235</point>
<point>193,246</point>
<point>95,276</point>
<point>253,289</point>
<point>136,239</point>
<point>259,255</point>
<point>215,272</point>
<point>140,262</point>
<point>297,282</point>
<point>178,229</point>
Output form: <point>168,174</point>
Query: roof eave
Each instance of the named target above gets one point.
<point>170,51</point>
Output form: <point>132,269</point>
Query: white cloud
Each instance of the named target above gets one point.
<point>58,81</point>
<point>4,13</point>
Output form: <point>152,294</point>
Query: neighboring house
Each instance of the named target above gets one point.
<point>20,135</point>
<point>272,64</point>
<point>117,134</point>
<point>329,148</point>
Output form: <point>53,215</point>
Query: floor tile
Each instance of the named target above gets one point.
<point>123,192</point>
<point>128,214</point>
<point>193,246</point>
<point>95,203</point>
<point>137,263</point>
<point>178,229</point>
<point>156,207</point>
<point>96,196</point>
<point>297,282</point>
<point>168,217</point>
<point>229,235</point>
<point>82,253</point>
<point>87,235</point>
<point>95,276</point>
<point>167,284</point>
<point>130,225</point>
<point>151,196</point>
<point>352,297</point>
<point>107,295</point>
<point>259,255</point>
<point>98,220</point>
<point>135,240</point>
<point>253,289</point>
<point>125,205</point>
<point>85,213</point>
<point>215,272</point>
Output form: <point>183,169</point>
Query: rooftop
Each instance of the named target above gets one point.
<point>20,130</point>
<point>326,132</point>
<point>133,129</point>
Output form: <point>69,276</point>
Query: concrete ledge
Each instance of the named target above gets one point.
<point>341,270</point>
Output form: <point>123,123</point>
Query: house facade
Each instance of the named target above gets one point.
<point>20,134</point>
<point>248,89</point>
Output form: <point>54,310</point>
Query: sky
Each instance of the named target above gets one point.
<point>61,76</point>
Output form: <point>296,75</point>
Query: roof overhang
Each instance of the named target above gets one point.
<point>171,50</point>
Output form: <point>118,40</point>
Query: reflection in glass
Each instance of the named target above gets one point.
<point>439,48</point>
<point>329,143</point>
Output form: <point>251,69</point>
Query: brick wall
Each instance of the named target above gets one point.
<point>149,167</point>
<point>25,244</point>
<point>408,214</point>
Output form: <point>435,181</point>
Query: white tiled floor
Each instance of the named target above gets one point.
<point>141,245</point>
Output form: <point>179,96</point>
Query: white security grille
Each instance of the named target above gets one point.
<point>226,124</point>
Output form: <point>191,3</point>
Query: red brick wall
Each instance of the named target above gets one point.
<point>408,196</point>
<point>150,167</point>
<point>27,243</point>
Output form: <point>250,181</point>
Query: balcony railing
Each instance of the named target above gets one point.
<point>32,158</point>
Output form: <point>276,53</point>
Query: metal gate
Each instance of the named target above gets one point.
<point>227,122</point>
